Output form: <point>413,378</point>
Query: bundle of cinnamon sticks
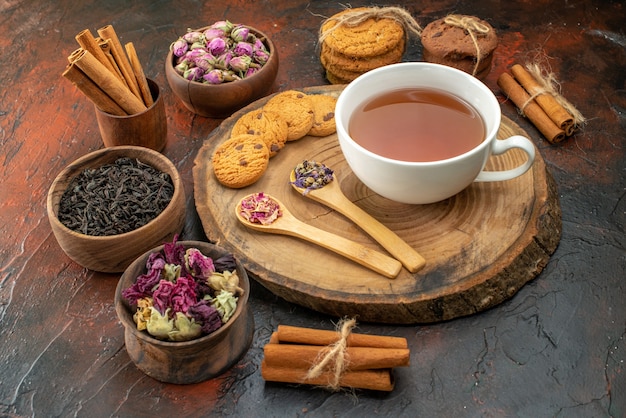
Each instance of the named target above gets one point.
<point>538,100</point>
<point>110,75</point>
<point>301,355</point>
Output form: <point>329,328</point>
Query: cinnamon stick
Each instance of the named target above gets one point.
<point>531,109</point>
<point>92,91</point>
<point>87,41</point>
<point>109,83</point>
<point>299,335</point>
<point>139,74</point>
<point>548,103</point>
<point>380,379</point>
<point>105,46</point>
<point>297,356</point>
<point>107,32</point>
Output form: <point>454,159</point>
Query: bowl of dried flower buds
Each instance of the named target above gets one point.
<point>110,206</point>
<point>218,69</point>
<point>184,308</point>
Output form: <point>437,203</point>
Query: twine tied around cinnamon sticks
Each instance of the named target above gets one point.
<point>535,92</point>
<point>473,27</point>
<point>333,359</point>
<point>335,356</point>
<point>356,17</point>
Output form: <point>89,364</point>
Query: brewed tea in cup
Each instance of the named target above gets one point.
<point>420,133</point>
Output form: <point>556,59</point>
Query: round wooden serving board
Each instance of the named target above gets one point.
<point>481,246</point>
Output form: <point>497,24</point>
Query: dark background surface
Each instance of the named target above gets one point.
<point>556,348</point>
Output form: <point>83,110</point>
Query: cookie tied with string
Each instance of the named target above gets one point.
<point>463,42</point>
<point>358,40</point>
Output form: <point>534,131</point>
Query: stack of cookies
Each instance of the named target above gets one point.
<point>260,134</point>
<point>351,49</point>
<point>463,42</point>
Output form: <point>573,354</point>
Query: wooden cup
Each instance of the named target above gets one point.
<point>146,129</point>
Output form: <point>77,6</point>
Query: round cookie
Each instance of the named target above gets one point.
<point>370,38</point>
<point>335,79</point>
<point>324,111</point>
<point>296,109</point>
<point>337,62</point>
<point>265,124</point>
<point>240,161</point>
<point>448,44</point>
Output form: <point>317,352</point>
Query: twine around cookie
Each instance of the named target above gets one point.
<point>473,27</point>
<point>549,85</point>
<point>335,357</point>
<point>355,18</point>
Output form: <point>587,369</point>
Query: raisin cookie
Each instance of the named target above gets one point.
<point>296,109</point>
<point>324,111</point>
<point>265,124</point>
<point>240,161</point>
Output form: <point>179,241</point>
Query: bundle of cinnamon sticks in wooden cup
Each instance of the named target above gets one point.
<point>129,107</point>
<point>333,359</point>
<point>535,94</point>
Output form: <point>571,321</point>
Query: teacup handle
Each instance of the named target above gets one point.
<point>500,147</point>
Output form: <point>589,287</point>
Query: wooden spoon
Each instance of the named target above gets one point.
<point>288,224</point>
<point>332,196</point>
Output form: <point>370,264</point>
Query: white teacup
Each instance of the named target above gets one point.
<point>426,182</point>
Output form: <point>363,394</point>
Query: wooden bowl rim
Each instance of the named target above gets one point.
<point>122,150</point>
<point>122,305</point>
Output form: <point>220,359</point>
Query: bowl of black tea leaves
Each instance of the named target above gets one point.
<point>112,205</point>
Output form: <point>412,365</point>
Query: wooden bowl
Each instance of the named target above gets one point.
<point>222,100</point>
<point>188,361</point>
<point>113,253</point>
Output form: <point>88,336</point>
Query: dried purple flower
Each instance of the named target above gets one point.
<point>179,47</point>
<point>239,33</point>
<point>243,48</point>
<point>205,61</point>
<point>199,265</point>
<point>212,33</point>
<point>193,37</point>
<point>260,56</point>
<point>213,77</point>
<point>223,25</point>
<point>223,61</point>
<point>194,74</point>
<point>217,46</point>
<point>240,64</point>
<point>204,313</point>
<point>251,71</point>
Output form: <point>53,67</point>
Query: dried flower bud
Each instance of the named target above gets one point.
<point>205,61</point>
<point>179,48</point>
<point>217,46</point>
<point>213,77</point>
<point>198,45</point>
<point>212,33</point>
<point>240,33</point>
<point>261,56</point>
<point>182,67</point>
<point>251,71</point>
<point>230,75</point>
<point>243,48</point>
<point>194,74</point>
<point>193,37</point>
<point>223,25</point>
<point>240,64</point>
<point>259,45</point>
<point>223,61</point>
